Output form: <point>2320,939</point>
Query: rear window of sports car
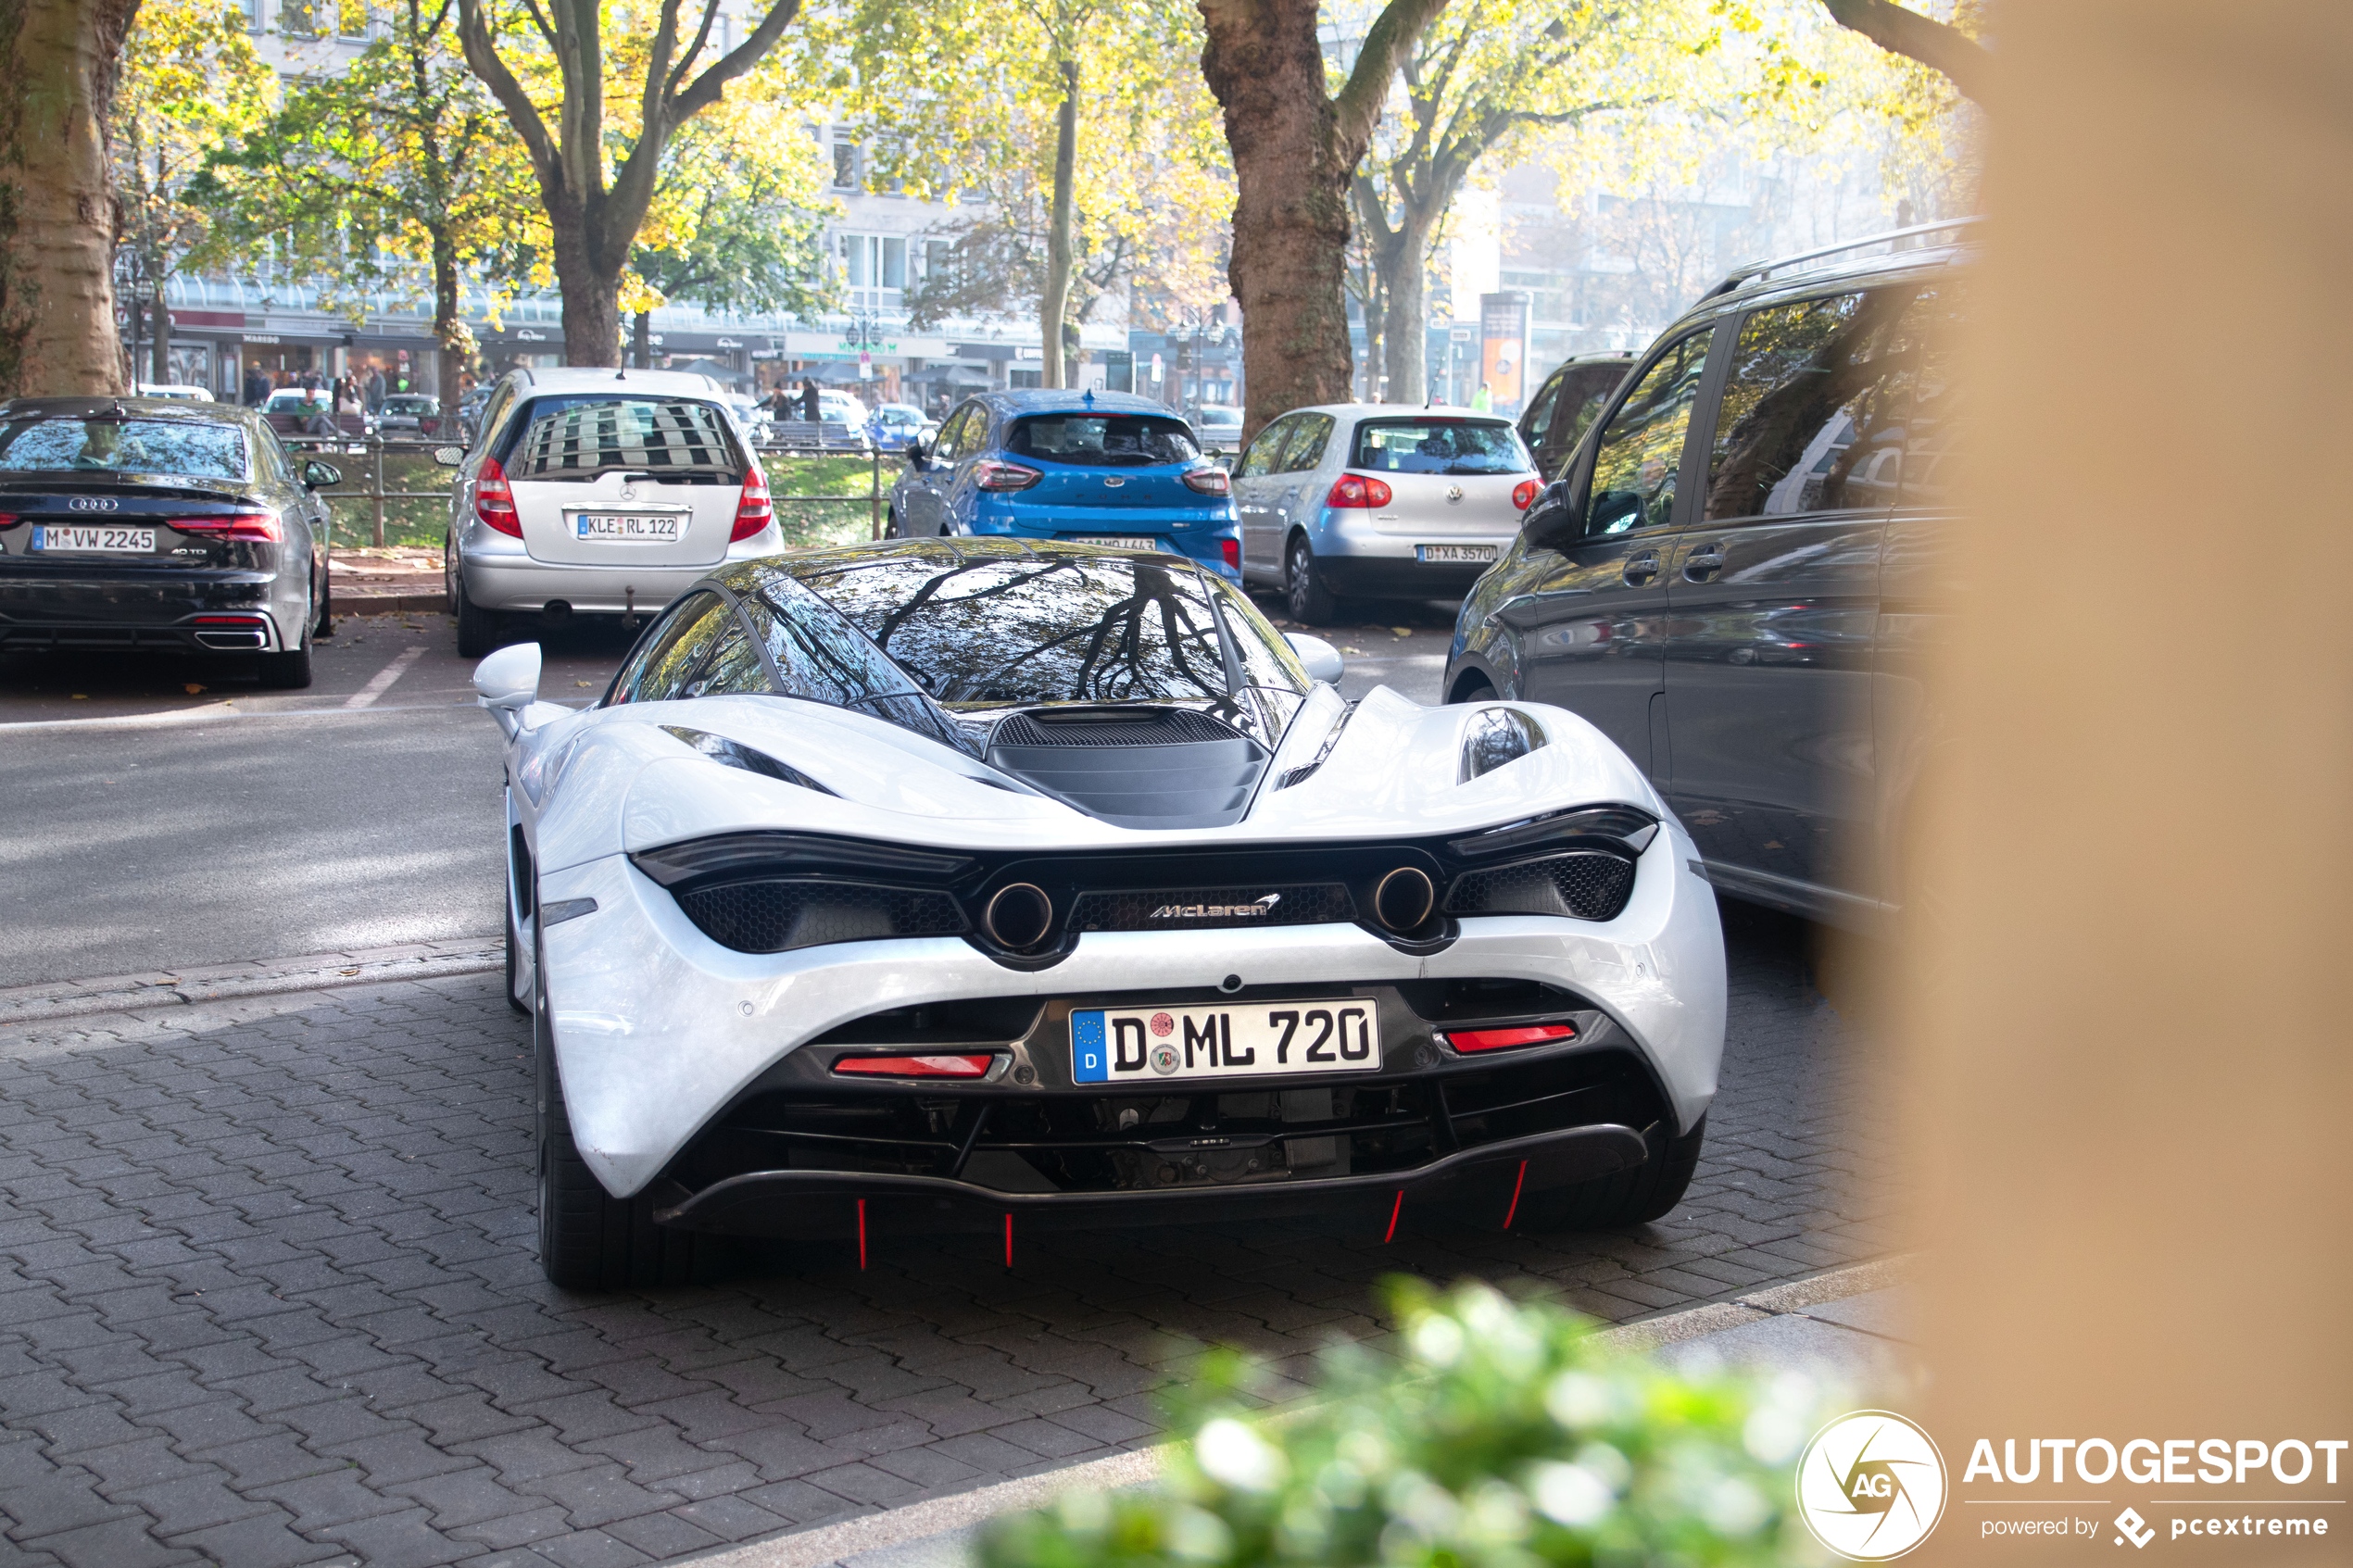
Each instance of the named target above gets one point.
<point>1052,629</point>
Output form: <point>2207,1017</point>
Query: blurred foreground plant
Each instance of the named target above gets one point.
<point>1508,1438</point>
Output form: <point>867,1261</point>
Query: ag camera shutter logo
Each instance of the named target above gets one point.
<point>1871,1486</point>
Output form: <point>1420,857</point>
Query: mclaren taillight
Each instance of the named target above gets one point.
<point>1209,482</point>
<point>1356,489</point>
<point>975,1066</point>
<point>495,500</point>
<point>265,527</point>
<point>990,474</point>
<point>1524,493</point>
<point>1504,1040</point>
<point>1232,550</point>
<point>756,510</point>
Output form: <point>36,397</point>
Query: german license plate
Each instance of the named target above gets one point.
<point>1150,1044</point>
<point>1481,554</point>
<point>653,528</point>
<point>1114,541</point>
<point>100,540</point>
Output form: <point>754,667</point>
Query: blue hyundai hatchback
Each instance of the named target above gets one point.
<point>1094,468</point>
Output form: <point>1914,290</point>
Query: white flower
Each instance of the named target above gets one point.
<point>1229,1452</point>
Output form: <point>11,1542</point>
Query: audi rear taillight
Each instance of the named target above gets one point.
<point>1209,482</point>
<point>1524,493</point>
<point>1503,1039</point>
<point>990,474</point>
<point>265,527</point>
<point>1232,550</point>
<point>1356,489</point>
<point>495,500</point>
<point>916,1066</point>
<point>756,510</point>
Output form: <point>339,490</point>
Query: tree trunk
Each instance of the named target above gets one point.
<point>591,298</point>
<point>160,319</point>
<point>1055,303</point>
<point>1376,336</point>
<point>56,198</point>
<point>641,341</point>
<point>449,330</point>
<point>1266,66</point>
<point>1405,277</point>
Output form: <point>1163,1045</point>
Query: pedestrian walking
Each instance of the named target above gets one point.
<point>257,389</point>
<point>1482,400</point>
<point>375,391</point>
<point>810,409</point>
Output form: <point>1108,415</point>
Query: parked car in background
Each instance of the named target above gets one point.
<point>1092,468</point>
<point>592,492</point>
<point>1217,426</point>
<point>408,415</point>
<point>920,885</point>
<point>1748,561</point>
<point>1565,404</point>
<point>834,405</point>
<point>1377,500</point>
<point>470,409</point>
<point>161,525</point>
<point>176,393</point>
<point>896,424</point>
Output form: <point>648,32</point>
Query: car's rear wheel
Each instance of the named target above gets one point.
<point>288,672</point>
<point>1310,602</point>
<point>890,523</point>
<point>477,628</point>
<point>589,1239</point>
<point>1648,1192</point>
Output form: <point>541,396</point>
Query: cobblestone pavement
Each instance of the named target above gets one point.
<point>267,1296</point>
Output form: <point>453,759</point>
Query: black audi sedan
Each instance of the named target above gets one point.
<point>147,523</point>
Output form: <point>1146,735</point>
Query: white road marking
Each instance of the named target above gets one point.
<point>366,696</point>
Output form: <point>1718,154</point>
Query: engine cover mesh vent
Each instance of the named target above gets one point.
<point>777,916</point>
<point>1591,884</point>
<point>1171,727</point>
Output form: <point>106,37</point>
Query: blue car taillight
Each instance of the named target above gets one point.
<point>990,474</point>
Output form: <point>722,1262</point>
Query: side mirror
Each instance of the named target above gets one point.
<point>915,451</point>
<point>317,475</point>
<point>1552,520</point>
<point>508,680</point>
<point>449,456</point>
<point>1322,660</point>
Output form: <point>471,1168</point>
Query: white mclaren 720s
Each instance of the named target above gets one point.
<point>983,884</point>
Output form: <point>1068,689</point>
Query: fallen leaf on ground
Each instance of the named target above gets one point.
<point>1358,652</point>
<point>194,688</point>
<point>1402,631</point>
<point>82,697</point>
<point>583,682</point>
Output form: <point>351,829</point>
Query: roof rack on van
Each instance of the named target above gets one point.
<point>1755,271</point>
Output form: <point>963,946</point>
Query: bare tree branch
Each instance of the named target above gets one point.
<point>1966,63</point>
<point>1391,36</point>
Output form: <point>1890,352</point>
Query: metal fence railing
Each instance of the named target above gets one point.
<point>377,470</point>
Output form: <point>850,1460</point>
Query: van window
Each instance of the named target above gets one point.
<point>1812,419</point>
<point>1642,448</point>
<point>1583,393</point>
<point>1937,427</point>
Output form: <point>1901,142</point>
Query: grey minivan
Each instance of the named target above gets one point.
<point>1736,571</point>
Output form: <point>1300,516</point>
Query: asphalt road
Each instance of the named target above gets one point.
<point>169,812</point>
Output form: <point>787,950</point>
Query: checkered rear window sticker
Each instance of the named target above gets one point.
<point>624,433</point>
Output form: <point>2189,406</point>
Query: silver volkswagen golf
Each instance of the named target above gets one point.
<point>1378,501</point>
<point>598,492</point>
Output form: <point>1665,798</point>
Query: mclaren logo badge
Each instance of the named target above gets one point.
<point>1258,910</point>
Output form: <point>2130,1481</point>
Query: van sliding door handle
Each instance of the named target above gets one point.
<point>1702,564</point>
<point>1642,570</point>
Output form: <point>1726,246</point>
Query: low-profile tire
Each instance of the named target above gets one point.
<point>325,625</point>
<point>1311,603</point>
<point>514,942</point>
<point>1648,1192</point>
<point>477,628</point>
<point>589,1239</point>
<point>288,672</point>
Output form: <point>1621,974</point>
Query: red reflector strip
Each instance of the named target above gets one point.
<point>916,1066</point>
<point>1501,1039</point>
